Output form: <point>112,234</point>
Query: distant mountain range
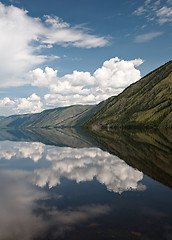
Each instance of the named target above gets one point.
<point>146,103</point>
<point>72,116</point>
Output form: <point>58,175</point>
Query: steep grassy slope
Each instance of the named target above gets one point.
<point>146,103</point>
<point>71,116</point>
<point>57,117</point>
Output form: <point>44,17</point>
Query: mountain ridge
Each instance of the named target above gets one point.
<point>70,116</point>
<point>145,103</point>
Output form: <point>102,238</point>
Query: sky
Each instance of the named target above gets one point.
<point>56,53</point>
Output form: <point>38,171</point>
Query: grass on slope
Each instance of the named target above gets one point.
<point>146,103</point>
<point>64,116</point>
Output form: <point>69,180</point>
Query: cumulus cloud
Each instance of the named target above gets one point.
<point>84,88</point>
<point>23,36</point>
<point>75,88</point>
<point>31,104</point>
<point>147,37</point>
<point>157,10</point>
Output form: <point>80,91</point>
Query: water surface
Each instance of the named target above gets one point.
<point>61,184</point>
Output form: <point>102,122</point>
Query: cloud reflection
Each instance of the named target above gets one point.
<point>18,201</point>
<point>75,164</point>
<point>85,164</point>
<point>17,150</point>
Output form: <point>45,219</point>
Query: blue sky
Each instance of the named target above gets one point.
<point>61,52</point>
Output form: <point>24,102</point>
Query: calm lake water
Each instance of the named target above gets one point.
<point>61,184</point>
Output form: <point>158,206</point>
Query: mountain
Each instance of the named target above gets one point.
<point>71,116</point>
<point>148,151</point>
<point>146,103</point>
<point>48,118</point>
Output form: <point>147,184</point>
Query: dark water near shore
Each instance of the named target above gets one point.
<point>63,184</point>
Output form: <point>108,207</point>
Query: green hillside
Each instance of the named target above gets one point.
<point>48,118</point>
<point>146,103</point>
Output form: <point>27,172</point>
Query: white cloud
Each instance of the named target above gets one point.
<point>16,54</point>
<point>31,104</point>
<point>61,33</point>
<point>164,14</point>
<point>42,79</point>
<point>23,36</point>
<point>117,73</point>
<point>158,11</point>
<point>147,37</point>
<point>140,11</point>
<point>6,102</point>
<point>84,88</point>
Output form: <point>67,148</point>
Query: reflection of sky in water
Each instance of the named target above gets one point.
<point>77,192</point>
<point>18,200</point>
<point>75,164</point>
<point>10,150</point>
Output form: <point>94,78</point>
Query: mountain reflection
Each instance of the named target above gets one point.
<point>75,164</point>
<point>148,151</point>
<point>59,191</point>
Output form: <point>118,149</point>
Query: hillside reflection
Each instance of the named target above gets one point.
<point>148,151</point>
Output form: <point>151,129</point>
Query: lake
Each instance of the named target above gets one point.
<point>65,184</point>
